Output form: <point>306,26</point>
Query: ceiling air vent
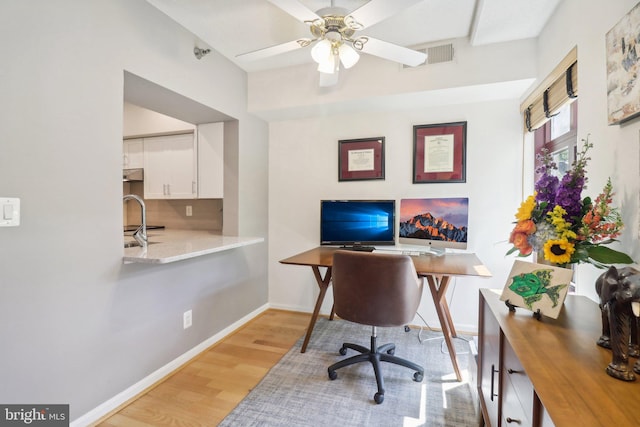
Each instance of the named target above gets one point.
<point>437,54</point>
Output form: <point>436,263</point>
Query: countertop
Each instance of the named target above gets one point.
<point>169,245</point>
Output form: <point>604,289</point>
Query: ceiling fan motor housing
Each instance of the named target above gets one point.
<point>335,24</point>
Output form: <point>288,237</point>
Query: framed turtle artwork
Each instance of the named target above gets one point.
<point>540,288</point>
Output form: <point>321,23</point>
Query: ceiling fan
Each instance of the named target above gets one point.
<point>335,39</point>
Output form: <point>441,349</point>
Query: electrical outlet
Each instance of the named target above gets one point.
<point>187,319</point>
<point>189,211</point>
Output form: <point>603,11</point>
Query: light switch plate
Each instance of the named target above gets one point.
<point>9,212</point>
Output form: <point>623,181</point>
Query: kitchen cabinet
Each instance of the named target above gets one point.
<point>132,153</point>
<point>548,372</point>
<point>211,160</point>
<point>170,167</point>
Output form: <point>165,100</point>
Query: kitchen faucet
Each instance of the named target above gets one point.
<point>141,233</point>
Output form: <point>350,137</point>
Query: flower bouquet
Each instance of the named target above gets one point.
<point>559,225</point>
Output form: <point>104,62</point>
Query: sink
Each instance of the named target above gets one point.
<point>136,244</point>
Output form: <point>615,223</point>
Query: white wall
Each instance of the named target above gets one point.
<point>584,23</point>
<point>78,326</point>
<point>141,121</point>
<point>303,169</point>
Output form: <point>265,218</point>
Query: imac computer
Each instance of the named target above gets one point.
<point>357,224</point>
<point>435,223</point>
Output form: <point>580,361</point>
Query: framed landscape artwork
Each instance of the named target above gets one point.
<point>623,88</point>
<point>539,288</point>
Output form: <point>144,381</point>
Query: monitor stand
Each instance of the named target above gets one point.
<point>435,251</point>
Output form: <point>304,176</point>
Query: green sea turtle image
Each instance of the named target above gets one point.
<point>532,286</point>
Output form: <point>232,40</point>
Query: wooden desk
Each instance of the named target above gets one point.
<point>438,271</point>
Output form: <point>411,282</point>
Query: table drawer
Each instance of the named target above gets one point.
<point>514,373</point>
<point>514,413</point>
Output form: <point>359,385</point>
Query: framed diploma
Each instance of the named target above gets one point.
<point>360,159</point>
<point>439,153</point>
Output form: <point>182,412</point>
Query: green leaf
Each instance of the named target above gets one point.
<point>510,251</point>
<point>605,255</point>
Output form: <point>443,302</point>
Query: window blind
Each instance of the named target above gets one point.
<point>556,90</point>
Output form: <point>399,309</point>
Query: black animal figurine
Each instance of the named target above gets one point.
<point>619,291</point>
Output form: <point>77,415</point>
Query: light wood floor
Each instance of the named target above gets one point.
<point>205,390</point>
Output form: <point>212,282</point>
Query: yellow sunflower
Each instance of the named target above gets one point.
<point>558,251</point>
<point>525,209</point>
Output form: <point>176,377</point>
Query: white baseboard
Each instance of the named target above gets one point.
<point>105,408</point>
<point>297,308</point>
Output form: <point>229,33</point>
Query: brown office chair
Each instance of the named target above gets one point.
<point>377,290</point>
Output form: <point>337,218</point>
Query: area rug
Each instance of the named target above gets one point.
<point>298,392</point>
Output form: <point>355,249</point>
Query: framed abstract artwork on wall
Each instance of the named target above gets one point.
<point>623,87</point>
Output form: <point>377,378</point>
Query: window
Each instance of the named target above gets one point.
<point>551,113</point>
<point>559,137</point>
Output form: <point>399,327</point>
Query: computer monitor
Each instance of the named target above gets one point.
<point>439,223</point>
<point>357,223</point>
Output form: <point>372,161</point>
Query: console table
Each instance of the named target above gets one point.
<point>438,271</point>
<point>549,372</point>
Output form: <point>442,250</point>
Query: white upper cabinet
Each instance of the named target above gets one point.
<point>132,154</point>
<point>210,160</point>
<point>170,167</point>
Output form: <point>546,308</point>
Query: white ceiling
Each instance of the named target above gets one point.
<point>233,27</point>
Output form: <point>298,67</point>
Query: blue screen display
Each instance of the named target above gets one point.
<point>357,222</point>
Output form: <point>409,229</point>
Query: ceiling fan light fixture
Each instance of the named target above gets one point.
<point>329,65</point>
<point>321,51</point>
<point>348,56</point>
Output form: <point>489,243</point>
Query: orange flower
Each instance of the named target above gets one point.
<point>519,236</point>
<point>522,244</point>
<point>527,227</point>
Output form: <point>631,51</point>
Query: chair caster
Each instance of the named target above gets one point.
<point>343,351</point>
<point>332,374</point>
<point>407,328</point>
<point>379,398</point>
<point>391,351</point>
<point>418,376</point>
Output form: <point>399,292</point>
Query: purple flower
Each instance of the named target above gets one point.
<point>546,188</point>
<point>547,185</point>
<point>569,194</point>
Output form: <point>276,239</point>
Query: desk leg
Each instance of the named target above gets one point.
<point>438,292</point>
<point>323,284</point>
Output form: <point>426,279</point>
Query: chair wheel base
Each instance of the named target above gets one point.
<point>379,398</point>
<point>332,374</point>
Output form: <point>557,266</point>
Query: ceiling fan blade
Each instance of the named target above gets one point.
<point>270,51</point>
<point>296,9</point>
<point>394,52</point>
<point>379,10</point>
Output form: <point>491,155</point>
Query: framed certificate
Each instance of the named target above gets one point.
<point>361,159</point>
<point>439,153</point>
